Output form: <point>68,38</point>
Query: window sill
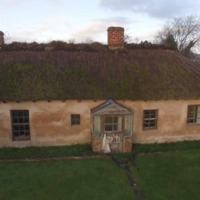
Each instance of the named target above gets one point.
<point>21,139</point>
<point>193,124</point>
<point>148,129</point>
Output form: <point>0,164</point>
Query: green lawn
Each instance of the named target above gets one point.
<point>170,176</point>
<point>92,179</point>
<point>45,152</point>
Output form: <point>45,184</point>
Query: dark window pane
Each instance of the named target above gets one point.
<point>112,123</point>
<point>26,113</point>
<point>152,123</point>
<point>108,127</point>
<point>20,124</point>
<point>115,127</point>
<point>146,115</point>
<point>26,133</point>
<point>26,120</point>
<point>15,120</point>
<point>115,120</point>
<point>20,113</point>
<point>20,120</point>
<point>150,119</point>
<point>108,120</point>
<point>75,119</point>
<point>193,116</point>
<point>153,115</point>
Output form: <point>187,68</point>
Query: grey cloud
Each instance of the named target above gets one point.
<point>154,8</point>
<point>98,26</point>
<point>118,20</point>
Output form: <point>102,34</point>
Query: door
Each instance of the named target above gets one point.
<point>113,133</point>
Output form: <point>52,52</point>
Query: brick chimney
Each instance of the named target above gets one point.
<point>115,38</point>
<point>1,39</point>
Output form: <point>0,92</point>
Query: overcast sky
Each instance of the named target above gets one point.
<point>83,20</point>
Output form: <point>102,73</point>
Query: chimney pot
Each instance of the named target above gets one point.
<point>115,38</point>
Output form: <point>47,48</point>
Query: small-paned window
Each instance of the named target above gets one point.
<point>113,123</point>
<point>75,119</point>
<point>150,119</point>
<point>20,124</point>
<point>193,115</point>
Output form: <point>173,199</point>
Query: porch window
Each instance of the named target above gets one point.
<point>20,124</point>
<point>128,120</point>
<point>150,119</point>
<point>193,115</point>
<point>97,126</point>
<point>112,123</point>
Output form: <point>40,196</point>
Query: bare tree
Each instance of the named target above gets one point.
<point>128,38</point>
<point>185,31</point>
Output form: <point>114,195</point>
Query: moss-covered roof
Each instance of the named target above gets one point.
<point>148,74</point>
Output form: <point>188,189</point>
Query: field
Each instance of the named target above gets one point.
<point>153,173</point>
<point>173,175</point>
<point>69,179</point>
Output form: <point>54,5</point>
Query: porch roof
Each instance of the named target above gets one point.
<point>111,107</point>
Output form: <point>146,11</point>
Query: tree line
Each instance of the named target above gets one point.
<point>181,34</point>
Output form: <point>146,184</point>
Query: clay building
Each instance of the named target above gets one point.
<point>110,98</point>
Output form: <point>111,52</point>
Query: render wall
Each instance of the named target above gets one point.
<point>172,121</point>
<point>50,122</point>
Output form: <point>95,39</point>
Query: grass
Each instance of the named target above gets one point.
<point>172,174</point>
<point>46,152</point>
<point>73,179</point>
<point>166,147</point>
<point>86,150</point>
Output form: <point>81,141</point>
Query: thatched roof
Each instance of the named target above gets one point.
<point>139,74</point>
